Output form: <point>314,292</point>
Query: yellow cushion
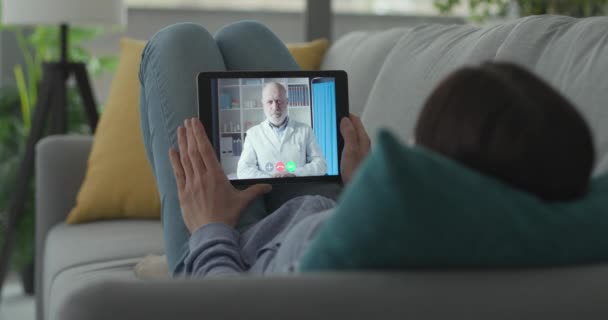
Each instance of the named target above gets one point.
<point>309,54</point>
<point>119,183</point>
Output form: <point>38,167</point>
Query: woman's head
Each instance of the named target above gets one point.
<point>506,122</point>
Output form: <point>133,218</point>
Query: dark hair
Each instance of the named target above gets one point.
<point>504,121</point>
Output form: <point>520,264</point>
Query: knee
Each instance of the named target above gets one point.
<point>174,41</point>
<point>244,26</point>
<point>249,27</point>
<point>179,34</point>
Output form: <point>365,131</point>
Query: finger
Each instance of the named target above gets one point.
<point>348,133</point>
<point>198,165</point>
<point>178,170</point>
<point>254,191</point>
<point>182,142</point>
<point>204,146</point>
<point>362,137</point>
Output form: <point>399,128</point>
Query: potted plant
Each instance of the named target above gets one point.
<point>12,144</point>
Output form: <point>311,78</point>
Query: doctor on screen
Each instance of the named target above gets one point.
<point>279,146</point>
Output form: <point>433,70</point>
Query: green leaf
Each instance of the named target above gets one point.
<point>445,6</point>
<point>25,102</point>
<point>30,65</point>
<point>79,54</point>
<point>7,27</point>
<point>481,10</point>
<point>94,66</point>
<point>80,34</point>
<point>99,65</point>
<point>109,63</point>
<point>44,36</point>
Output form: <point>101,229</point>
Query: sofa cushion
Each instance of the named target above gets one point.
<point>309,55</point>
<point>119,182</point>
<point>408,207</point>
<point>572,55</point>
<point>152,267</point>
<point>423,57</point>
<point>68,246</point>
<point>362,54</point>
<point>551,46</point>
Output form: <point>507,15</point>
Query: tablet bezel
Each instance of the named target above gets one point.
<point>210,116</point>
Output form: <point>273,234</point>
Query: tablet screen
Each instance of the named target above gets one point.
<point>276,127</point>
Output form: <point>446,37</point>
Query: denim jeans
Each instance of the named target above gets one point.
<point>170,63</point>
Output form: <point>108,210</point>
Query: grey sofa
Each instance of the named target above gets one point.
<point>86,271</point>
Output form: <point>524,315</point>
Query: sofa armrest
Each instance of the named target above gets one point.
<point>61,162</point>
<point>228,298</point>
<point>556,293</point>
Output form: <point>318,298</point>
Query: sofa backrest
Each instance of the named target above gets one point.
<point>392,72</point>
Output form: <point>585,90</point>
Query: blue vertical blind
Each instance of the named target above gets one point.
<point>324,121</point>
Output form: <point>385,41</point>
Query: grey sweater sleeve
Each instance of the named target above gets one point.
<point>214,251</point>
<point>272,245</point>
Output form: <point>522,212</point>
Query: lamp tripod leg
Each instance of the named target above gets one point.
<point>86,93</point>
<point>58,122</point>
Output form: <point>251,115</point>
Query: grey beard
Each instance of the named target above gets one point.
<point>280,124</point>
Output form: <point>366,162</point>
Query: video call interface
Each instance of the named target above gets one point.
<point>276,127</point>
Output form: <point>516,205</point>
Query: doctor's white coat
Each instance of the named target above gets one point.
<point>263,150</point>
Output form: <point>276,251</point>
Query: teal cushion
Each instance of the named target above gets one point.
<point>409,208</point>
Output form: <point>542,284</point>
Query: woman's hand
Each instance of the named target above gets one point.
<point>356,146</point>
<point>205,194</point>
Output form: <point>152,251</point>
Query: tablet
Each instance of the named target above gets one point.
<point>275,126</point>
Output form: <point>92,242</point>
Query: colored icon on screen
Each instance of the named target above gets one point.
<point>269,166</point>
<point>280,166</point>
<point>291,166</point>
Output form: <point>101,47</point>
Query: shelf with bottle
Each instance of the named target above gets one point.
<point>229,100</point>
<point>228,82</point>
<point>278,80</point>
<point>243,85</point>
<point>231,127</point>
<point>254,102</point>
<point>251,85</point>
<point>231,107</point>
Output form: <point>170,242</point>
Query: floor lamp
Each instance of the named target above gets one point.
<point>52,90</point>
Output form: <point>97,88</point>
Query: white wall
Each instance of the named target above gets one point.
<point>143,23</point>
